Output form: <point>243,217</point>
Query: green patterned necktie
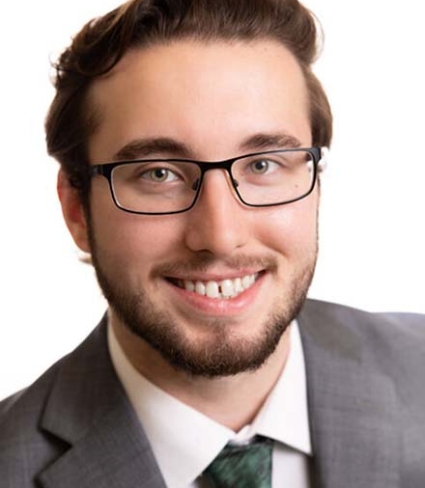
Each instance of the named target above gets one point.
<point>242,466</point>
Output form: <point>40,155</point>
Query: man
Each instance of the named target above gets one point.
<point>191,135</point>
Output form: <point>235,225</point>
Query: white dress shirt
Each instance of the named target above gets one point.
<point>185,441</point>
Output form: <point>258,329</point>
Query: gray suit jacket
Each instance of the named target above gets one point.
<point>74,427</point>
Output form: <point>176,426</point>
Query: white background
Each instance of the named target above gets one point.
<point>372,228</point>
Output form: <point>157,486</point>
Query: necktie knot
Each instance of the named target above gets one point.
<point>242,466</point>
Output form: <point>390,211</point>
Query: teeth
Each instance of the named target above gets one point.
<point>237,284</point>
<point>189,285</point>
<point>200,288</point>
<point>227,288</point>
<point>247,281</point>
<point>212,289</point>
<point>222,289</point>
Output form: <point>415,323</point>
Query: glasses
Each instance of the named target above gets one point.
<point>170,186</point>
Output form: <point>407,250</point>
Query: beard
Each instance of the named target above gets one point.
<point>224,352</point>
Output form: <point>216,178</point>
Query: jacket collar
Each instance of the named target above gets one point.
<point>88,409</point>
<point>352,407</point>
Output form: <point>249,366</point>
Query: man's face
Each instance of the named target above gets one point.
<point>208,102</point>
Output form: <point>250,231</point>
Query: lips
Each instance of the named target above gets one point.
<point>223,289</point>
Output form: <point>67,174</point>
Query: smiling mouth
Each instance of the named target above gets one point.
<point>224,289</point>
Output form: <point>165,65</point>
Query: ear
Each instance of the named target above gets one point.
<point>73,212</point>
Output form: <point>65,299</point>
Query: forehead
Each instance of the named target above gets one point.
<point>190,91</point>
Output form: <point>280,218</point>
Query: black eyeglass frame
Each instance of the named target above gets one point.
<point>106,169</point>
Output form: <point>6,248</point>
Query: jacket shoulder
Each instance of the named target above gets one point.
<point>29,442</point>
<point>406,327</point>
<point>368,369</point>
<point>390,343</point>
<point>22,441</point>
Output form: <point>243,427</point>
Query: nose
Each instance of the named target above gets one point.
<point>219,222</point>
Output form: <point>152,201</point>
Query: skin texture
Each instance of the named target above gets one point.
<point>208,102</point>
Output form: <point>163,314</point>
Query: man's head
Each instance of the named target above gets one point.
<point>203,81</point>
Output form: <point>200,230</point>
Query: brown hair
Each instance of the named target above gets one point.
<point>139,23</point>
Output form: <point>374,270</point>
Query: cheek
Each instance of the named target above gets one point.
<point>118,234</point>
<point>292,229</point>
<point>127,242</point>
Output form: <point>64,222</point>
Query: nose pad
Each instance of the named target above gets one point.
<point>195,185</point>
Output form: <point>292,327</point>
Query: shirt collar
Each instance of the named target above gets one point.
<point>184,441</point>
<point>284,415</point>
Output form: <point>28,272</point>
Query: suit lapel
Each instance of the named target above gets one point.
<point>88,410</point>
<point>352,408</point>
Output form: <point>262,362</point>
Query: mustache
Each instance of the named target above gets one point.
<point>204,262</point>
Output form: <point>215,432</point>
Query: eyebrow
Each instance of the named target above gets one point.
<point>142,148</point>
<point>264,141</point>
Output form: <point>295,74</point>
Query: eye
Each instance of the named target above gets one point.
<point>262,166</point>
<point>159,175</point>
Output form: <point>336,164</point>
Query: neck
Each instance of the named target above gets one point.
<point>232,401</point>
